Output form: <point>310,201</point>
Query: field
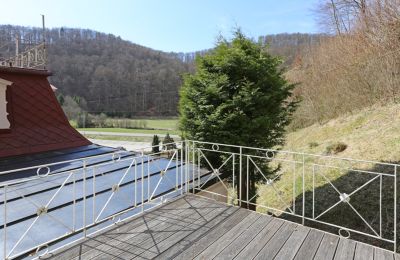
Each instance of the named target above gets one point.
<point>159,132</point>
<point>145,126</point>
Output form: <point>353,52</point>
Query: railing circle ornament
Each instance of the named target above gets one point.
<point>215,147</point>
<point>45,254</point>
<point>344,233</point>
<point>40,173</point>
<point>116,157</point>
<point>270,154</point>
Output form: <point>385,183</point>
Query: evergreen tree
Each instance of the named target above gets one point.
<point>168,142</point>
<point>155,144</point>
<point>238,95</point>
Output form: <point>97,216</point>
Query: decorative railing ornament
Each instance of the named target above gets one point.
<point>35,57</point>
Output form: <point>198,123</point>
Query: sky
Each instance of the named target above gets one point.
<point>167,25</point>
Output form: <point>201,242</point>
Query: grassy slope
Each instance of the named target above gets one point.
<point>371,134</point>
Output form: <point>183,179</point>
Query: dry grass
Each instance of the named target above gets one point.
<point>371,134</point>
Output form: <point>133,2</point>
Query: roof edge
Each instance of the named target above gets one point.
<point>26,71</point>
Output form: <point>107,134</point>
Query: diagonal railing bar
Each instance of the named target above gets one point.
<point>163,172</point>
<point>115,190</point>
<point>191,173</point>
<point>213,171</point>
<point>41,208</point>
<point>349,195</point>
<point>373,230</point>
<point>37,218</point>
<point>270,184</point>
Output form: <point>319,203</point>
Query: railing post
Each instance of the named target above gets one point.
<point>94,194</point>
<point>193,168</point>
<point>74,203</point>
<point>240,176</point>
<point>395,208</point>
<point>186,168</point>
<point>304,198</point>
<point>135,184</point>
<point>142,201</point>
<point>5,222</point>
<point>84,198</point>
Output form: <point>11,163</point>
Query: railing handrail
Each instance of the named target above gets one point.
<point>187,162</point>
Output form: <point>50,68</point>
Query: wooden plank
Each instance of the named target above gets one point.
<point>275,243</point>
<point>132,239</point>
<point>245,238</point>
<point>229,237</point>
<point>381,254</point>
<point>131,229</point>
<point>345,249</point>
<point>310,245</point>
<point>137,222</point>
<point>163,240</point>
<point>181,245</point>
<point>201,244</point>
<point>252,249</point>
<point>292,245</point>
<point>327,247</point>
<point>363,252</point>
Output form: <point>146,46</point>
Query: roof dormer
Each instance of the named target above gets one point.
<point>4,122</point>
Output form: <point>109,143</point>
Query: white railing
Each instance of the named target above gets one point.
<point>70,200</point>
<point>355,198</point>
<point>35,57</point>
<point>67,201</point>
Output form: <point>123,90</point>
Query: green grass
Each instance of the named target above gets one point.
<point>168,124</point>
<point>159,132</point>
<point>120,138</point>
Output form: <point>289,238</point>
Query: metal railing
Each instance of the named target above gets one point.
<point>35,57</point>
<point>78,198</point>
<point>355,198</point>
<point>70,200</point>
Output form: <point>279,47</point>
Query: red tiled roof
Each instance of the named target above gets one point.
<point>38,123</point>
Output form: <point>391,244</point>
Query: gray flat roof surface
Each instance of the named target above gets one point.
<point>192,227</point>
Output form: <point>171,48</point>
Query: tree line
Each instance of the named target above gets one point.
<point>112,75</point>
<point>118,78</point>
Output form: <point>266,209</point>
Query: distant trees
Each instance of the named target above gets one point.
<point>73,110</point>
<point>114,76</point>
<point>238,95</point>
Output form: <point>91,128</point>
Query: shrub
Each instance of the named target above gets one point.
<point>155,144</point>
<point>336,148</point>
<point>168,143</point>
<point>312,145</point>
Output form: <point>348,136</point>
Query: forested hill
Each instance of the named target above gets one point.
<point>118,77</point>
<point>114,76</point>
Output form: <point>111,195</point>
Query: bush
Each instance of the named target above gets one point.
<point>313,145</point>
<point>168,143</point>
<point>336,148</point>
<point>155,144</point>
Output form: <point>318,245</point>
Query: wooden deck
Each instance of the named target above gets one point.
<point>192,227</point>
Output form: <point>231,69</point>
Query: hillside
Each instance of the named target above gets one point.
<point>121,78</point>
<point>114,76</point>
<point>369,134</point>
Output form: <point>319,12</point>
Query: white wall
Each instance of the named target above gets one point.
<point>4,123</point>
